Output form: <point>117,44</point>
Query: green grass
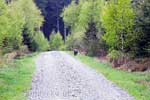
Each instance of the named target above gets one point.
<point>127,80</point>
<point>15,78</point>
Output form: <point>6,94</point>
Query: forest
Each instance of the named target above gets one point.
<point>117,29</point>
<point>116,32</point>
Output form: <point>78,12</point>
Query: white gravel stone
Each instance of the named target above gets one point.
<point>59,76</point>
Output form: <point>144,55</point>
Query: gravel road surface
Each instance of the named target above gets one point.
<point>59,76</point>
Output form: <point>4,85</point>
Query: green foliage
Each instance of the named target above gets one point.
<point>123,25</point>
<point>69,42</point>
<point>85,24</point>
<point>142,26</point>
<point>12,22</point>
<point>20,21</point>
<point>114,54</point>
<point>90,40</point>
<point>78,16</point>
<point>56,42</point>
<point>40,43</point>
<point>70,15</point>
<point>33,22</point>
<point>3,19</point>
<point>118,19</point>
<point>85,15</point>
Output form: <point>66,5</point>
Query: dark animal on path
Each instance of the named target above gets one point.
<point>75,52</point>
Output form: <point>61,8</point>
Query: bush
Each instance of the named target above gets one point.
<point>69,42</point>
<point>7,58</point>
<point>22,51</point>
<point>1,59</point>
<point>117,58</point>
<point>114,54</point>
<point>56,42</point>
<point>11,43</point>
<point>40,43</point>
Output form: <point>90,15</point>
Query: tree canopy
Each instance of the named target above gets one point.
<point>121,25</point>
<point>20,20</point>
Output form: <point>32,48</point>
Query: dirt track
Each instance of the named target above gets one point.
<point>61,77</point>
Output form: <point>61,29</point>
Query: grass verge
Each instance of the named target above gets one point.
<point>137,84</point>
<point>15,78</point>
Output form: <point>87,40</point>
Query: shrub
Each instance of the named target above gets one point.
<point>56,42</point>
<point>22,51</point>
<point>11,43</point>
<point>69,42</point>
<point>114,54</point>
<point>40,43</point>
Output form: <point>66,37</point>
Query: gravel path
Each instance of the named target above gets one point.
<point>61,77</point>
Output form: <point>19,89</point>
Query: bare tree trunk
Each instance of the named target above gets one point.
<point>65,32</point>
<point>122,42</point>
<point>58,21</point>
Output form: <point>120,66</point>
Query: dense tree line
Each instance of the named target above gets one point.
<point>20,22</point>
<point>111,25</point>
<point>20,26</point>
<point>142,26</point>
<point>51,10</point>
<point>120,25</point>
